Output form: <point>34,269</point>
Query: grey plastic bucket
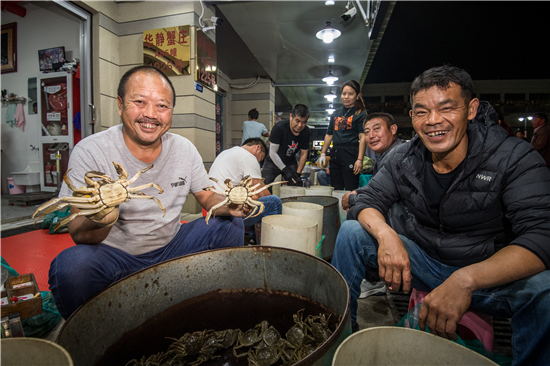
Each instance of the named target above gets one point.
<point>331,219</point>
<point>132,304</point>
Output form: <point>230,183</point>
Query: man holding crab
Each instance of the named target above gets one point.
<point>122,240</point>
<point>477,230</point>
<point>239,162</point>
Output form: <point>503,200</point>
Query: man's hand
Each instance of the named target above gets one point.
<point>357,167</point>
<point>393,262</point>
<point>443,308</point>
<point>322,161</point>
<point>239,210</point>
<point>106,218</point>
<point>293,178</point>
<point>345,200</point>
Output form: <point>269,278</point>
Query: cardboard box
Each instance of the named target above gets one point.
<point>26,308</point>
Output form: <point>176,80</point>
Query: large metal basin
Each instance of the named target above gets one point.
<point>150,301</point>
<point>331,219</point>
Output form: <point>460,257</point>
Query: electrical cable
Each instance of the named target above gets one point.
<point>246,86</point>
<point>202,13</point>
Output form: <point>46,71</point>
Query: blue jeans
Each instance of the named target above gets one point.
<point>272,206</point>
<point>323,178</point>
<point>81,271</point>
<point>526,301</point>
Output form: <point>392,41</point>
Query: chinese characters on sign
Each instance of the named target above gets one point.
<point>206,60</point>
<point>168,49</point>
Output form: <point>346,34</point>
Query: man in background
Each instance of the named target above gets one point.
<point>381,137</point>
<point>541,136</point>
<point>520,134</point>
<point>287,138</point>
<point>253,128</point>
<point>239,162</point>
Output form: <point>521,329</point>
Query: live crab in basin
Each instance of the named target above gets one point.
<point>101,196</point>
<point>240,194</point>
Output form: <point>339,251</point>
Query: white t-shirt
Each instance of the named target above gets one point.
<point>178,170</point>
<point>234,163</point>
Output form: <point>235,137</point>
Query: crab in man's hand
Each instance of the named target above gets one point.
<point>239,194</point>
<point>100,197</point>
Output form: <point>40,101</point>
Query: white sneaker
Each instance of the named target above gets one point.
<point>369,289</point>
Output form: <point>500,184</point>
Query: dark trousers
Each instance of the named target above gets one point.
<point>342,159</point>
<point>270,171</point>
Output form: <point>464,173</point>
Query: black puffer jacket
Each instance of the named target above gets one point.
<point>501,197</point>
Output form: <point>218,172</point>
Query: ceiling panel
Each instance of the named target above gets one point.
<point>281,37</point>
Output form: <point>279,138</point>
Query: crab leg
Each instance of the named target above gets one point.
<point>253,212</point>
<point>215,208</point>
<point>68,200</point>
<point>135,176</point>
<point>139,188</point>
<point>84,206</point>
<point>265,187</point>
<point>214,190</point>
<point>80,213</point>
<point>141,196</point>
<point>227,182</point>
<point>252,202</point>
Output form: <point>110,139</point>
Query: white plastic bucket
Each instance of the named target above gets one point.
<point>403,346</point>
<point>319,191</point>
<point>293,232</point>
<point>292,191</point>
<point>339,194</point>
<point>15,189</point>
<point>276,189</point>
<point>34,352</point>
<point>305,209</point>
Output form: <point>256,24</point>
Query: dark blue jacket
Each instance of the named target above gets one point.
<point>501,197</point>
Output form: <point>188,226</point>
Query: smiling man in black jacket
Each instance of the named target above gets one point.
<point>477,229</point>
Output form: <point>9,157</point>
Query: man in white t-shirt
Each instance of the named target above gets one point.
<point>240,161</point>
<point>122,240</point>
<point>253,128</point>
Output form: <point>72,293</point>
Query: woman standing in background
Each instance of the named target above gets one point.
<point>346,131</point>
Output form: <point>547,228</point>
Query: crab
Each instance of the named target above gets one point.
<point>250,337</point>
<point>319,327</point>
<point>101,196</point>
<point>239,194</point>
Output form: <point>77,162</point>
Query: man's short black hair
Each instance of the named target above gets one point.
<point>121,92</point>
<point>541,116</point>
<point>386,117</point>
<point>253,141</point>
<point>253,114</point>
<point>441,77</point>
<point>300,110</point>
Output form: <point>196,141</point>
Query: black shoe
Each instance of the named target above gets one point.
<point>354,327</point>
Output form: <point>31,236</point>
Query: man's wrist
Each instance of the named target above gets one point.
<point>352,199</point>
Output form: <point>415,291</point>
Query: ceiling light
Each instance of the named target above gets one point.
<point>328,33</point>
<point>330,78</point>
<point>330,109</point>
<point>330,96</point>
<point>329,2</point>
<point>331,59</point>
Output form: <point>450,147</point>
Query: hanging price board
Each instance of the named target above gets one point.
<point>206,60</point>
